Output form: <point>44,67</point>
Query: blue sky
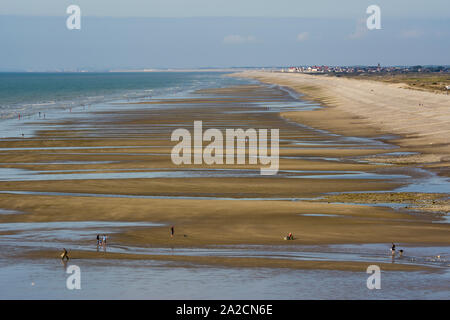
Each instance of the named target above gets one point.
<point>216,33</point>
<point>230,8</point>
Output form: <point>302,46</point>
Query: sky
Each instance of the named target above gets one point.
<point>230,8</point>
<point>137,34</point>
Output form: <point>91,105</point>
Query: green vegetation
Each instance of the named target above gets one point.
<point>435,82</point>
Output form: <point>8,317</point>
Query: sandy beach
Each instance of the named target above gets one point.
<point>115,167</point>
<point>371,108</point>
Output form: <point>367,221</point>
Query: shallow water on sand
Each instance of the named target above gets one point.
<point>80,235</point>
<point>430,183</point>
<point>147,279</point>
<point>14,174</point>
<point>46,279</point>
<point>130,196</point>
<point>3,211</point>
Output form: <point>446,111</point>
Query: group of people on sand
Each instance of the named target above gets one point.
<point>400,252</point>
<point>101,240</point>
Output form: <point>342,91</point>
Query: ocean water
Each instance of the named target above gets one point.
<point>46,279</point>
<point>31,93</point>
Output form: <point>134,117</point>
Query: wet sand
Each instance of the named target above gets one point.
<point>136,139</point>
<point>235,262</point>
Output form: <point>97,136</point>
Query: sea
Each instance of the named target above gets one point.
<point>29,93</point>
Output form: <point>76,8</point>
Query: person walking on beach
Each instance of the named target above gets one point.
<point>172,231</point>
<point>104,240</point>
<point>64,255</point>
<point>98,240</point>
<point>393,249</point>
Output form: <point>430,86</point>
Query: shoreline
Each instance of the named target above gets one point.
<point>352,108</point>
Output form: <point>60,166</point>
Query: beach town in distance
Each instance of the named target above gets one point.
<point>132,173</point>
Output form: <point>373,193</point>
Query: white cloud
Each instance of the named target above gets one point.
<point>302,36</point>
<point>238,39</point>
